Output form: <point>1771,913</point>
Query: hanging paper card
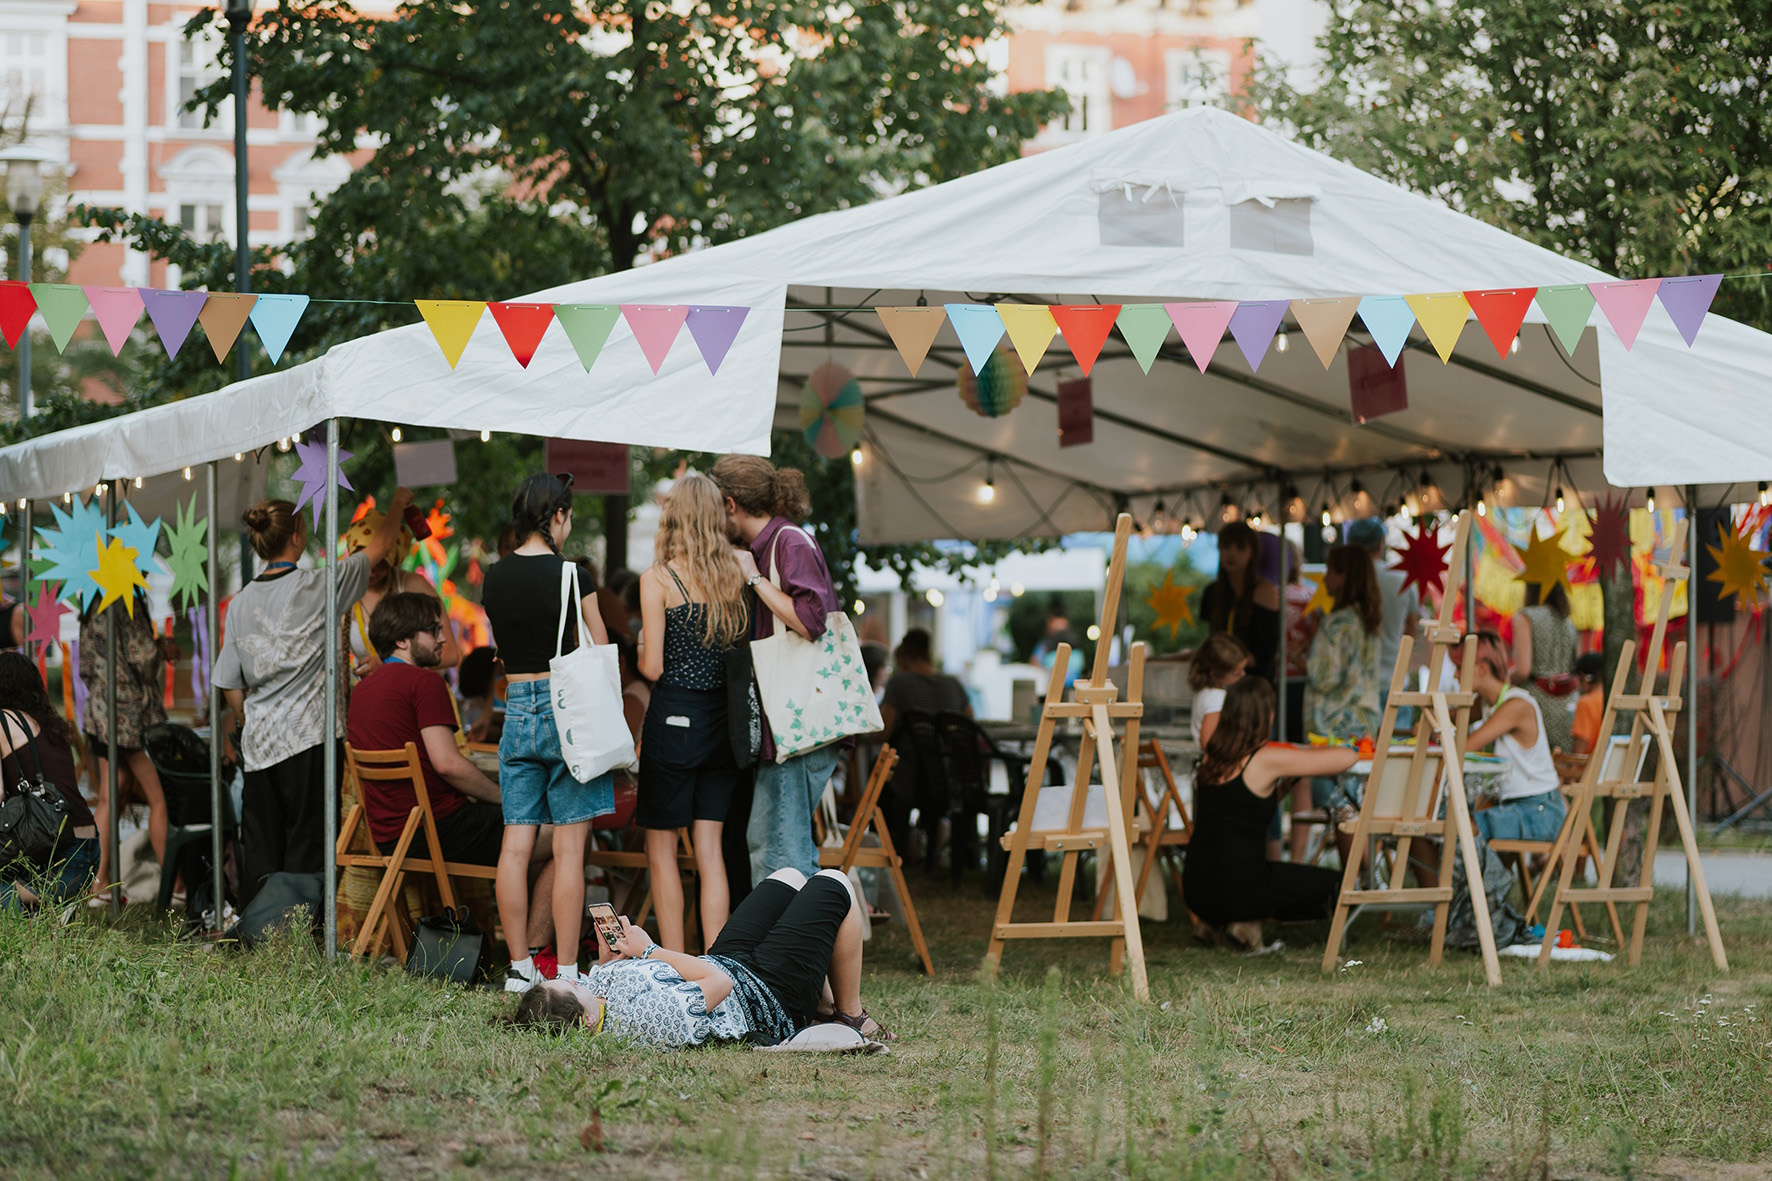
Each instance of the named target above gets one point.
<point>71,548</point>
<point>655,327</point>
<point>1324,323</point>
<point>141,537</point>
<point>912,331</point>
<point>596,468</point>
<point>452,322</point>
<point>1388,319</point>
<point>1567,307</point>
<point>1085,327</point>
<point>714,329</point>
<point>174,313</point>
<point>832,410</point>
<point>17,306</point>
<point>1625,304</point>
<point>523,325</point>
<point>189,560</point>
<point>274,318</point>
<point>118,576</point>
<point>311,476</point>
<point>426,464</point>
<point>1501,312</point>
<point>587,326</point>
<point>1076,412</point>
<point>1201,326</point>
<point>1686,300</point>
<point>1442,316</point>
<point>979,328</point>
<point>1253,327</point>
<point>1145,326</point>
<point>1031,329</point>
<point>63,306</point>
<point>224,314</point>
<point>1375,386</point>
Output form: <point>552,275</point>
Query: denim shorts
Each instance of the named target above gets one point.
<point>533,782</point>
<point>66,878</point>
<point>1529,818</point>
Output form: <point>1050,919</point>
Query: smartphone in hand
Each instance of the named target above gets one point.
<point>608,926</point>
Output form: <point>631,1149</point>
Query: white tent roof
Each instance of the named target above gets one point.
<point>1033,230</point>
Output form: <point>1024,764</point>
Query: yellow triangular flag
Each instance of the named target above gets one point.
<point>452,322</point>
<point>913,331</point>
<point>1324,322</point>
<point>1031,329</point>
<point>1442,316</point>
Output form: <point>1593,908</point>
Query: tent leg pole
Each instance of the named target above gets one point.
<point>329,563</point>
<point>24,550</point>
<point>1691,694</point>
<point>212,611</point>
<point>1280,671</point>
<point>115,835</point>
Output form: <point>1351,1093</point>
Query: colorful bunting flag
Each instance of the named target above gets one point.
<point>1145,326</point>
<point>63,306</point>
<point>1388,319</point>
<point>523,325</point>
<point>17,306</point>
<point>655,326</point>
<point>1201,326</point>
<point>452,322</point>
<point>1567,308</point>
<point>714,329</point>
<point>1687,300</point>
<point>1501,312</point>
<point>117,310</point>
<point>224,314</point>
<point>1253,327</point>
<point>1031,328</point>
<point>1442,316</point>
<point>587,326</point>
<point>979,328</point>
<point>1324,323</point>
<point>1085,327</point>
<point>912,331</point>
<point>173,313</point>
<point>1625,304</point>
<point>274,318</point>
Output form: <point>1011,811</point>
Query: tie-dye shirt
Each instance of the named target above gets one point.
<point>647,1001</point>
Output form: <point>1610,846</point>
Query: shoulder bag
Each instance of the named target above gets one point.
<point>33,814</point>
<point>586,687</point>
<point>744,709</point>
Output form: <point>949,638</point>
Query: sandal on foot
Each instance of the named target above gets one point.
<point>866,1026</point>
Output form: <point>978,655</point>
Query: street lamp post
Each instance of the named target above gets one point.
<point>239,16</point>
<point>24,193</point>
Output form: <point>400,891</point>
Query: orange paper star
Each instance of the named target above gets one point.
<point>1170,602</point>
<point>118,575</point>
<point>1739,571</point>
<point>1321,599</point>
<point>1547,563</point>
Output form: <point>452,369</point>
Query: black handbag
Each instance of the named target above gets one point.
<point>447,946</point>
<point>33,815</point>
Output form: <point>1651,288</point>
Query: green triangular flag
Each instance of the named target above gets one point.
<point>1144,325</point>
<point>587,326</point>
<point>1567,308</point>
<point>63,306</point>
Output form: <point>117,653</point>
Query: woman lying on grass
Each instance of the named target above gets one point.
<point>789,957</point>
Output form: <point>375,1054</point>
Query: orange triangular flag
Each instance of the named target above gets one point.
<point>1442,316</point>
<point>1324,322</point>
<point>1031,329</point>
<point>1501,312</point>
<point>523,324</point>
<point>452,322</point>
<point>1085,327</point>
<point>223,316</point>
<point>913,331</point>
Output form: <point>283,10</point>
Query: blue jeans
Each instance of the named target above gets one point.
<point>534,785</point>
<point>61,881</point>
<point>780,832</point>
<point>1529,818</point>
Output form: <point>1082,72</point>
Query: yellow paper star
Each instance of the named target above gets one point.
<point>1547,563</point>
<point>1321,599</point>
<point>1739,569</point>
<point>118,575</point>
<point>1170,602</point>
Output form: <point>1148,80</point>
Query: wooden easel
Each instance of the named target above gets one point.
<point>854,851</point>
<point>1096,703</point>
<point>1607,776</point>
<point>1412,812</point>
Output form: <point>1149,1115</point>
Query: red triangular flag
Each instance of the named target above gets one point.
<point>17,305</point>
<point>523,325</point>
<point>1085,327</point>
<point>1501,312</point>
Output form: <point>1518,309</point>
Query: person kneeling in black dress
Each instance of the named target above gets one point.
<point>1228,880</point>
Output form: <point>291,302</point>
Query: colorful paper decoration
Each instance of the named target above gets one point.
<point>274,318</point>
<point>1170,602</point>
<point>45,616</point>
<point>452,323</point>
<point>117,310</point>
<point>189,559</point>
<point>1501,312</point>
<point>1687,300</point>
<point>1324,323</point>
<point>17,306</point>
<point>1388,319</point>
<point>1442,316</point>
<point>1201,326</point>
<point>1253,327</point>
<point>979,328</point>
<point>832,410</point>
<point>118,576</point>
<point>1144,327</point>
<point>1320,600</point>
<point>63,306</point>
<point>1031,328</point>
<point>1740,567</point>
<point>1567,308</point>
<point>141,537</point>
<point>587,326</point>
<point>1625,304</point>
<point>912,331</point>
<point>70,550</point>
<point>996,390</point>
<point>174,314</point>
<point>1085,327</point>
<point>224,314</point>
<point>655,328</point>
<point>311,475</point>
<point>713,330</point>
<point>1547,562</point>
<point>1609,543</point>
<point>1423,560</point>
<point>523,326</point>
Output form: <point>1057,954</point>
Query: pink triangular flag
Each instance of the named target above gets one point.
<point>655,327</point>
<point>117,309</point>
<point>173,314</point>
<point>1625,304</point>
<point>1201,326</point>
<point>714,330</point>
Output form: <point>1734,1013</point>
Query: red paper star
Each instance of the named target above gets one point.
<point>1609,544</point>
<point>45,615</point>
<point>1423,560</point>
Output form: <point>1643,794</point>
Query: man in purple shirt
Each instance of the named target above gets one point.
<point>764,507</point>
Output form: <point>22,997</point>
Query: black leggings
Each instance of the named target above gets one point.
<point>786,937</point>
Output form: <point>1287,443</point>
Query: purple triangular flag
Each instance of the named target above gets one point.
<point>1686,301</point>
<point>714,330</point>
<point>1253,325</point>
<point>173,314</point>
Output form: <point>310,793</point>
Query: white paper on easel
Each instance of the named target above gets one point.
<point>1052,808</point>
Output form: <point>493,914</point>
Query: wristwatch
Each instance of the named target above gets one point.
<point>752,581</point>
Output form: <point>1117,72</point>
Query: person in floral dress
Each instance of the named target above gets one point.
<point>141,689</point>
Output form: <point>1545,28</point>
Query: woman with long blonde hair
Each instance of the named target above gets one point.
<point>691,610</point>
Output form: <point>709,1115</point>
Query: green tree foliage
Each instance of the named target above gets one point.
<point>1633,135</point>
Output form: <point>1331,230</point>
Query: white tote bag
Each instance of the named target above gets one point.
<point>586,687</point>
<point>815,692</point>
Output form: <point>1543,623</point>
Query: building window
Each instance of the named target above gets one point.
<point>202,221</point>
<point>301,226</point>
<point>25,72</point>
<point>197,68</point>
<point>1196,78</point>
<point>1081,71</point>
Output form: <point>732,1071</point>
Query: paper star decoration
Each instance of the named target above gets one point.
<point>189,560</point>
<point>71,552</point>
<point>1609,543</point>
<point>1547,563</point>
<point>1423,560</point>
<point>1739,569</point>
<point>311,475</point>
<point>140,536</point>
<point>45,615</point>
<point>1170,603</point>
<point>118,575</point>
<point>1321,599</point>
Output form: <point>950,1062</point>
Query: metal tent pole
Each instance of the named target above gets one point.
<point>329,564</point>
<point>212,614</point>
<point>26,508</point>
<point>115,836</point>
<point>1280,707</point>
<point>1691,693</point>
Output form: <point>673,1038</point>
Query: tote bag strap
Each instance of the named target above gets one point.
<point>569,602</point>
<point>775,570</point>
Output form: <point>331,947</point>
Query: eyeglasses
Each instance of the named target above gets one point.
<point>435,630</point>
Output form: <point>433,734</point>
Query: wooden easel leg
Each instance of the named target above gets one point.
<point>1565,869</point>
<point>1018,841</point>
<point>1458,810</point>
<point>1350,881</point>
<point>1127,910</point>
<point>1670,774</point>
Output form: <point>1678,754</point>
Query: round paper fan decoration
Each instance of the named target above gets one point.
<point>832,410</point>
<point>999,389</point>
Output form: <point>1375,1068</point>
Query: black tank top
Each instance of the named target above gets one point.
<point>1231,822</point>
<point>688,662</point>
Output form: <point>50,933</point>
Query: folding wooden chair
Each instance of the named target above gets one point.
<point>853,854</point>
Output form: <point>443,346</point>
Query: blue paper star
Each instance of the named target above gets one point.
<point>140,536</point>
<point>72,550</point>
<point>311,475</point>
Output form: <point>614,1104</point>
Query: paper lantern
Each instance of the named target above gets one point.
<point>996,391</point>
<point>832,410</point>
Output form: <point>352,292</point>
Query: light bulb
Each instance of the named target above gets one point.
<point>187,473</point>
<point>934,596</point>
<point>1280,343</point>
<point>98,489</point>
<point>1255,521</point>
<point>1514,347</point>
<point>1325,516</point>
<point>486,436</point>
<point>67,498</point>
<point>1765,498</point>
<point>138,481</point>
<point>1094,631</point>
<point>990,594</point>
<point>1559,500</point>
<point>1482,509</point>
<point>855,457</point>
<point>395,434</point>
<point>1017,590</point>
<point>861,608</point>
<point>239,456</point>
<point>21,503</point>
<point>987,492</point>
<point>1651,502</point>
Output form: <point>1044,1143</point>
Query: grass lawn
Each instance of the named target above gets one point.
<point>126,1054</point>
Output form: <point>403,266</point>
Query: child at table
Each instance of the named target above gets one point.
<point>1531,807</point>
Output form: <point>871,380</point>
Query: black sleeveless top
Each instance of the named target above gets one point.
<point>688,662</point>
<point>1228,851</point>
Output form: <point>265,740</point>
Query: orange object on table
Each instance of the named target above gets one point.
<point>1565,938</point>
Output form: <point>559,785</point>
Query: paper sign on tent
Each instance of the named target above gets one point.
<point>1031,328</point>
<point>587,326</point>
<point>224,314</point>
<point>174,314</point>
<point>523,326</point>
<point>1626,304</point>
<point>1388,318</point>
<point>655,327</point>
<point>1442,316</point>
<point>1566,307</point>
<point>452,323</point>
<point>1375,385</point>
<point>979,328</point>
<point>17,306</point>
<point>714,329</point>
<point>1687,300</point>
<point>1076,412</point>
<point>117,310</point>
<point>1324,323</point>
<point>1085,327</point>
<point>1501,312</point>
<point>1145,326</point>
<point>428,463</point>
<point>274,318</point>
<point>63,306</point>
<point>1253,327</point>
<point>1201,326</point>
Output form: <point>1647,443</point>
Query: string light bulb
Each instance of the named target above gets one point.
<point>1514,347</point>
<point>239,457</point>
<point>187,473</point>
<point>1281,344</point>
<point>1255,519</point>
<point>1651,500</point>
<point>934,596</point>
<point>1482,508</point>
<point>485,436</point>
<point>395,434</point>
<point>987,491</point>
<point>1765,497</point>
<point>1326,514</point>
<point>855,457</point>
<point>1559,500</point>
<point>861,608</point>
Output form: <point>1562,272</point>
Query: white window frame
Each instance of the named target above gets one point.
<point>48,19</point>
<point>1083,72</point>
<point>176,43</point>
<point>1197,77</point>
<point>204,177</point>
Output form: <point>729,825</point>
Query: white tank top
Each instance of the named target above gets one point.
<point>1530,771</point>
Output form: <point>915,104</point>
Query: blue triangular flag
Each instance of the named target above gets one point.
<point>274,318</point>
<point>1388,318</point>
<point>979,329</point>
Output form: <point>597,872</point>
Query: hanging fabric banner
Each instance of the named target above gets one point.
<point>1687,300</point>
<point>1031,329</point>
<point>1626,304</point>
<point>1144,326</point>
<point>1388,318</point>
<point>587,326</point>
<point>117,310</point>
<point>714,329</point>
<point>979,328</point>
<point>63,306</point>
<point>452,323</point>
<point>1501,312</point>
<point>224,314</point>
<point>1442,316</point>
<point>1324,323</point>
<point>523,326</point>
<point>17,306</point>
<point>912,331</point>
<point>274,318</point>
<point>174,314</point>
<point>655,327</point>
<point>1085,327</point>
<point>1566,308</point>
<point>1253,327</point>
<point>1201,326</point>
